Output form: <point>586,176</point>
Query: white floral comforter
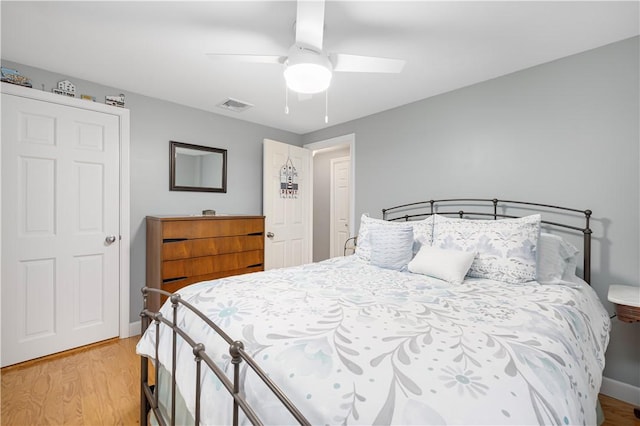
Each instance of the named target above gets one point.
<point>351,343</point>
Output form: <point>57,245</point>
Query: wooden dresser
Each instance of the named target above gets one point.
<point>182,250</point>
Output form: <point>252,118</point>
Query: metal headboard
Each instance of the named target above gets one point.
<point>423,209</point>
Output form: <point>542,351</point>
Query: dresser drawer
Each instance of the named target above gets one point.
<point>187,229</point>
<point>177,284</point>
<point>211,246</point>
<point>172,269</point>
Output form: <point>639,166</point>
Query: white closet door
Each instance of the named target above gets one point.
<point>60,228</point>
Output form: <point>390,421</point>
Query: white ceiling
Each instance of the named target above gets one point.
<point>158,48</point>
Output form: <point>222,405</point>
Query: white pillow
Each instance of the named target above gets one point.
<point>422,231</point>
<point>555,257</point>
<point>391,246</point>
<point>448,265</point>
<point>506,248</point>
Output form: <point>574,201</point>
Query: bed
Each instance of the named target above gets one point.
<point>458,311</point>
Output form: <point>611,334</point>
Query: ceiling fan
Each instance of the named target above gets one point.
<point>307,67</point>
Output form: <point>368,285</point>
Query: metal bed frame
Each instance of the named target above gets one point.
<point>149,394</point>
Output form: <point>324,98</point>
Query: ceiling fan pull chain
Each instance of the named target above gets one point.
<point>286,99</point>
<point>326,106</point>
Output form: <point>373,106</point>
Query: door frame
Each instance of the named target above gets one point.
<point>125,229</point>
<point>344,140</point>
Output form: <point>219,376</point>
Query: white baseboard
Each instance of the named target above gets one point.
<point>134,328</point>
<point>620,390</point>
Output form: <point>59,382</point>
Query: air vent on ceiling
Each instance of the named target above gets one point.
<point>235,105</point>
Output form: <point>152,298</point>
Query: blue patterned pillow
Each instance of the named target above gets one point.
<point>422,232</point>
<point>554,256</point>
<point>506,249</point>
<point>391,246</point>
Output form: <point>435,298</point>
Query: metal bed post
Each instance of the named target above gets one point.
<point>149,394</point>
<point>236,359</point>
<point>156,406</point>
<point>144,367</point>
<point>175,298</point>
<point>587,248</point>
<point>197,350</point>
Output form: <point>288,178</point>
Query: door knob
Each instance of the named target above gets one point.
<point>270,235</point>
<point>110,239</point>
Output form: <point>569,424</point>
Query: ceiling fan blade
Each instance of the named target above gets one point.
<point>310,23</point>
<point>260,59</point>
<point>356,63</point>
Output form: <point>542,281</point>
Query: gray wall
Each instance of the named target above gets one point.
<point>153,124</point>
<point>322,202</point>
<point>563,133</point>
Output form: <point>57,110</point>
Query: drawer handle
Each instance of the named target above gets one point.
<point>255,233</point>
<point>173,240</point>
<point>170,280</point>
<point>254,265</point>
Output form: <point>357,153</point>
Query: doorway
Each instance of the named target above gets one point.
<point>328,209</point>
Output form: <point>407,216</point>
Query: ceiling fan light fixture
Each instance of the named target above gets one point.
<point>307,78</point>
<point>307,71</point>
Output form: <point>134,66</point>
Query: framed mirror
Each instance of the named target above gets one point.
<point>197,168</point>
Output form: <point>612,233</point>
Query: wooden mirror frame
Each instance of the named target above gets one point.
<point>173,145</point>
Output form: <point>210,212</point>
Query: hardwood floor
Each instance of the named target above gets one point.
<point>99,385</point>
<point>96,386</point>
<point>617,413</point>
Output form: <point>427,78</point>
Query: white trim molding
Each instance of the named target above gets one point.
<point>620,390</point>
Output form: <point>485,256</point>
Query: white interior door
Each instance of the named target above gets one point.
<point>287,220</point>
<point>60,228</point>
<point>339,208</point>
